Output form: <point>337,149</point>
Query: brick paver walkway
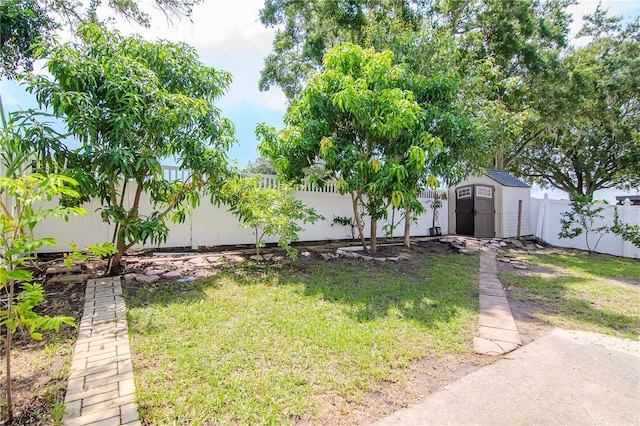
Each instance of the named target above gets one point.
<point>498,333</point>
<point>101,390</point>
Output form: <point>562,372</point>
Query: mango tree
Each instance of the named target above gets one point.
<point>131,104</point>
<point>352,117</point>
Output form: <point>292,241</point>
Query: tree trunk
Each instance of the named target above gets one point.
<point>356,217</point>
<point>407,227</point>
<point>115,267</point>
<point>8,352</point>
<point>374,240</point>
<point>257,245</point>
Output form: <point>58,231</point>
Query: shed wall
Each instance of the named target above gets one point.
<point>511,196</point>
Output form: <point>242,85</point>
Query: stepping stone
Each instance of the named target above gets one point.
<point>153,271</point>
<point>147,279</point>
<point>267,256</point>
<point>130,277</point>
<point>349,255</point>
<point>197,260</point>
<point>172,275</point>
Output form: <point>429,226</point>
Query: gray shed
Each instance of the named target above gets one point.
<point>487,206</point>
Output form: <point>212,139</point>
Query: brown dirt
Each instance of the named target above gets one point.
<point>426,376</point>
<point>40,368</point>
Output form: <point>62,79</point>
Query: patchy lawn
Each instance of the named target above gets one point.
<point>578,290</point>
<point>336,342</point>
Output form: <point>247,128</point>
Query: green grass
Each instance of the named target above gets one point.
<point>266,347</point>
<point>585,291</point>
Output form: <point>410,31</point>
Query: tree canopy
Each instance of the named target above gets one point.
<point>307,30</point>
<point>132,103</point>
<point>361,119</point>
<point>24,23</point>
<point>595,143</point>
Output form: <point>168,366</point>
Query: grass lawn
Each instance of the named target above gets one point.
<point>579,290</point>
<point>254,346</point>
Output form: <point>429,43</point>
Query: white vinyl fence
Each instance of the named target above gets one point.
<point>209,225</point>
<point>545,222</point>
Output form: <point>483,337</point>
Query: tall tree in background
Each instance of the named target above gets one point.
<point>307,30</point>
<point>595,144</point>
<point>133,103</point>
<point>519,41</point>
<point>22,24</point>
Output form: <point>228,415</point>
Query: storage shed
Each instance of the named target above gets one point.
<point>488,206</point>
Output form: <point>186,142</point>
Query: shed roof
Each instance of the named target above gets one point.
<point>505,179</point>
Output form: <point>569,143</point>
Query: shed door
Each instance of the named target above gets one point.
<point>464,210</point>
<point>484,221</point>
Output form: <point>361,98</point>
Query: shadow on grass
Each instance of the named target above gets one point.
<point>557,297</point>
<point>600,265</point>
<point>430,289</point>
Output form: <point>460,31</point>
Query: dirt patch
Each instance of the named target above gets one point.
<point>40,368</point>
<point>425,376</point>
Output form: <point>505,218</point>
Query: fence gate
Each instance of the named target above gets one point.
<point>475,210</point>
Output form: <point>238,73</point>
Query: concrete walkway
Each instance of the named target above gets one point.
<point>497,329</point>
<point>101,388</point>
<point>566,377</point>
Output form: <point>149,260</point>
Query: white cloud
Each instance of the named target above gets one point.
<point>625,8</point>
<point>228,35</point>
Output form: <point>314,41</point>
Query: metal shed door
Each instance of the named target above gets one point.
<point>464,210</point>
<point>484,220</point>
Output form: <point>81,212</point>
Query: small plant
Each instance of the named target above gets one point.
<point>436,203</point>
<point>581,219</point>
<point>346,221</point>
<point>628,232</point>
<point>19,214</point>
<point>269,211</point>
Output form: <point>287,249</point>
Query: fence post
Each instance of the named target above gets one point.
<point>625,215</point>
<point>519,217</point>
<point>543,222</point>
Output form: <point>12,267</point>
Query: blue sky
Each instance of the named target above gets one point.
<point>229,36</point>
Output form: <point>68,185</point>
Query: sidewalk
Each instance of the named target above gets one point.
<point>566,377</point>
<point>101,389</point>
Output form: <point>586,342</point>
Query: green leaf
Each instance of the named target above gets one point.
<point>19,275</point>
